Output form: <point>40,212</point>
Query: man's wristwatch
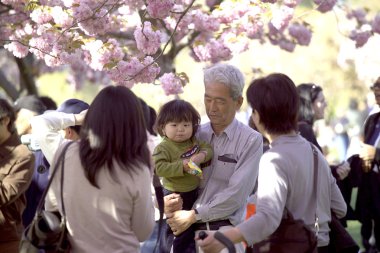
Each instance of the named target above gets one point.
<point>197,215</point>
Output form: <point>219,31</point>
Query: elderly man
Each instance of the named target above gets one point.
<point>232,175</point>
<point>16,170</point>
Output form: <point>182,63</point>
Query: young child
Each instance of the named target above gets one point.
<point>178,157</point>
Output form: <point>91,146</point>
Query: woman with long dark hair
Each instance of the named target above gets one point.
<point>107,194</point>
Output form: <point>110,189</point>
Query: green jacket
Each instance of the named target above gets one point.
<point>168,157</point>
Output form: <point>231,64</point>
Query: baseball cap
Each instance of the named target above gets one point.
<point>73,105</point>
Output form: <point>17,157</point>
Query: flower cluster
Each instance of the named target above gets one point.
<point>134,71</point>
<point>116,40</point>
<point>147,40</point>
<point>300,33</point>
<point>325,5</point>
<point>171,84</point>
<point>159,8</point>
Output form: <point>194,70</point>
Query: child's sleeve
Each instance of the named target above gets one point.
<point>206,147</point>
<point>164,166</point>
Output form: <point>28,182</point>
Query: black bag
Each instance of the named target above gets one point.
<point>290,237</point>
<point>48,230</point>
<point>340,240</point>
<point>162,245</point>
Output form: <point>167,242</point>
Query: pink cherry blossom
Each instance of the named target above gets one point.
<point>41,16</point>
<point>359,14</point>
<point>17,49</point>
<point>292,3</point>
<point>171,84</point>
<point>213,50</point>
<point>300,33</point>
<point>114,40</point>
<point>159,8</point>
<point>281,18</point>
<point>147,40</point>
<point>286,45</point>
<point>376,24</point>
<point>360,37</point>
<point>325,5</point>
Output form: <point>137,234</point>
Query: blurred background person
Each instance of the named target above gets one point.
<point>312,108</point>
<point>368,198</point>
<point>26,108</point>
<point>50,125</point>
<point>16,170</point>
<point>49,103</point>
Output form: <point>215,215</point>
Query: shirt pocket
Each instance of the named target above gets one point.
<point>224,168</point>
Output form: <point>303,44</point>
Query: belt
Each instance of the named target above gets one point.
<point>212,225</point>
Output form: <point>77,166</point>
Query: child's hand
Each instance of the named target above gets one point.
<point>186,167</point>
<point>198,158</point>
<point>195,170</point>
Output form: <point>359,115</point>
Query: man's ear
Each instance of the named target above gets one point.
<point>239,102</point>
<point>69,133</point>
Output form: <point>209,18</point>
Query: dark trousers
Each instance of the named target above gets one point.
<point>368,206</point>
<point>183,243</point>
<point>366,232</point>
<point>324,249</point>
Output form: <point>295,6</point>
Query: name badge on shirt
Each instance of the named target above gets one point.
<point>191,151</point>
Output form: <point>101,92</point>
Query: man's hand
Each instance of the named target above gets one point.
<point>367,152</point>
<point>343,170</point>
<point>173,202</point>
<point>209,244</point>
<point>181,220</point>
<point>212,245</point>
<point>198,158</point>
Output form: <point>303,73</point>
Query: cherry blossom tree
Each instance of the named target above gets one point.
<point>133,41</point>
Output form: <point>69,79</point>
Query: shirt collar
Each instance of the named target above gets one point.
<point>229,130</point>
<point>285,139</point>
<point>9,145</point>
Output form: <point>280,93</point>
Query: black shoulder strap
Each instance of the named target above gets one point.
<point>161,242</point>
<point>315,192</point>
<point>60,160</point>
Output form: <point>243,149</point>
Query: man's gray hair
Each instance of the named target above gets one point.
<point>228,75</point>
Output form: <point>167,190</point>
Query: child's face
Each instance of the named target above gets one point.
<point>178,131</point>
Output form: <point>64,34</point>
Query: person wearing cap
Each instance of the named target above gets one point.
<point>26,108</point>
<point>47,127</point>
<point>368,198</point>
<point>43,157</point>
<point>16,170</point>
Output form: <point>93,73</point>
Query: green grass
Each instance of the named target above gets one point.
<point>353,227</point>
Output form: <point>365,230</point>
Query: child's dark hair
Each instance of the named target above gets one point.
<point>176,111</point>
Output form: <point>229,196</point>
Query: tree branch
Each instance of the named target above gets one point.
<point>26,77</point>
<point>8,87</point>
